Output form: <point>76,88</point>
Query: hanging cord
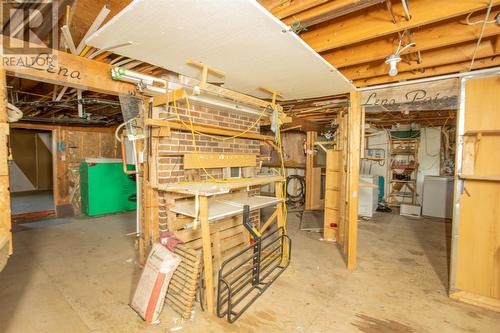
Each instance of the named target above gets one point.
<point>480,34</point>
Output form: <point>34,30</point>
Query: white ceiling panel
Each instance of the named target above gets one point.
<point>238,37</point>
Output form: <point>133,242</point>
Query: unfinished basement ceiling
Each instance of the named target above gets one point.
<point>356,36</point>
<point>238,37</point>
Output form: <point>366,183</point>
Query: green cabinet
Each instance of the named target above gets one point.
<point>105,189</point>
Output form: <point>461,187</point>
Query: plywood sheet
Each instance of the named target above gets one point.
<point>238,37</point>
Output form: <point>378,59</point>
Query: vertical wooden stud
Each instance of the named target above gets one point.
<point>207,254</point>
<point>354,140</point>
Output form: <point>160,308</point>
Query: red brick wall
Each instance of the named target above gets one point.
<point>170,169</point>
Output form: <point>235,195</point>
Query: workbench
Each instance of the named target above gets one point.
<point>210,204</point>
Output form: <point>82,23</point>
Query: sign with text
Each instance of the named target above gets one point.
<point>438,95</point>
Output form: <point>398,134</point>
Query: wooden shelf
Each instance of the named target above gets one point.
<point>219,209</point>
<point>213,188</point>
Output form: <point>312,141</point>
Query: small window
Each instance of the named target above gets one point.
<point>235,172</point>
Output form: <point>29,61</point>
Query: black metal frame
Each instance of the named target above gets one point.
<point>257,258</point>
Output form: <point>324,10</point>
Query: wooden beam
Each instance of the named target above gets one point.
<point>354,125</point>
<point>433,71</point>
<point>63,69</point>
<point>433,58</point>
<point>170,97</point>
<point>291,7</point>
<point>304,125</point>
<point>375,22</point>
<point>5,219</point>
<point>207,129</point>
<point>426,38</point>
<point>329,11</point>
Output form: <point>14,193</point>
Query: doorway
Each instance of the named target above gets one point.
<point>31,174</point>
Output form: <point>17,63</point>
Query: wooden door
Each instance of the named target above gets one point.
<point>5,226</point>
<point>475,258</point>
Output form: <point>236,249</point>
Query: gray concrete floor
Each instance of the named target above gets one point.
<point>31,202</point>
<point>77,275</point>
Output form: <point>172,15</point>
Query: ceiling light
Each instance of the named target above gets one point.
<point>392,61</point>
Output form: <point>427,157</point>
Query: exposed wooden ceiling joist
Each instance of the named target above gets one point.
<point>328,10</point>
<point>426,38</point>
<point>432,58</point>
<point>375,22</point>
<point>432,71</point>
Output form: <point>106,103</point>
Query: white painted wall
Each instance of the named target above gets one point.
<point>428,156</point>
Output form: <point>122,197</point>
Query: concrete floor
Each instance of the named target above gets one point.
<point>77,275</point>
<point>31,202</point>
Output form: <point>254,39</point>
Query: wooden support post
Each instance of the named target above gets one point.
<point>207,254</point>
<point>354,139</point>
<point>278,189</point>
<point>310,138</point>
<point>5,220</point>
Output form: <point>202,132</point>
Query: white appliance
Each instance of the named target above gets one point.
<point>368,195</point>
<point>438,197</point>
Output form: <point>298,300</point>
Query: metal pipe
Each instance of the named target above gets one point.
<point>494,70</point>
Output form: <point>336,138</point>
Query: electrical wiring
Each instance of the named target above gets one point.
<point>468,22</point>
<point>190,127</point>
<point>481,35</point>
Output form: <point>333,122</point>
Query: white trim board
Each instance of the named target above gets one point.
<point>238,37</point>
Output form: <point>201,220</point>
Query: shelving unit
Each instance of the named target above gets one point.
<point>403,171</point>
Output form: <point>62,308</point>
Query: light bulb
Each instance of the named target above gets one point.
<point>392,61</point>
<point>393,71</point>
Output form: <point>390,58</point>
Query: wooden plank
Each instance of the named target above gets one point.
<point>170,97</point>
<point>354,124</point>
<point>329,10</point>
<point>431,93</point>
<point>207,129</point>
<point>269,221</point>
<point>207,255</point>
<point>219,160</point>
<point>6,246</point>
<point>66,70</point>
<point>477,268</point>
<point>477,300</point>
<point>310,139</point>
<point>426,38</point>
<point>289,8</point>
<point>375,22</point>
<point>216,188</point>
